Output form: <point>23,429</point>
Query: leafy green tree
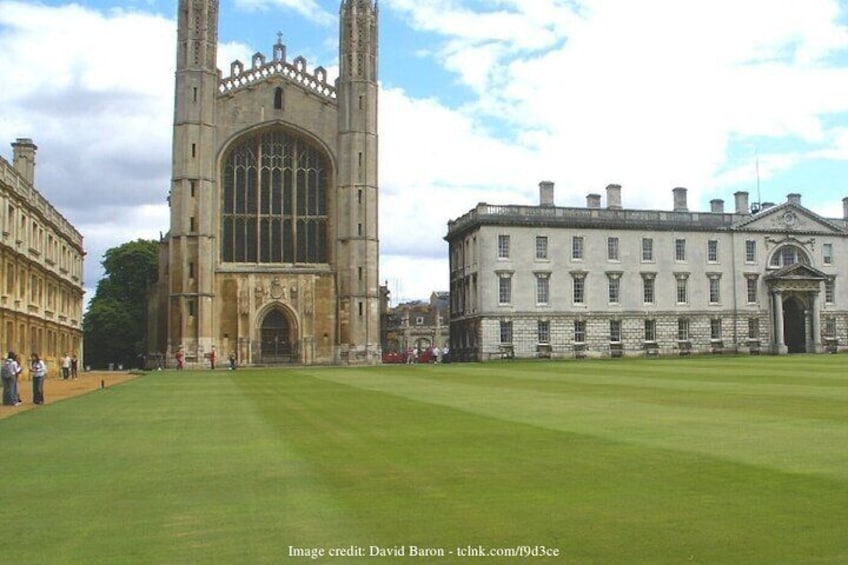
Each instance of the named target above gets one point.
<point>115,325</point>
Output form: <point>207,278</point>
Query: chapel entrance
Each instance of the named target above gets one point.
<point>795,325</point>
<point>277,344</point>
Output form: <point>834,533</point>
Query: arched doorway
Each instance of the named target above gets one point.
<point>277,339</point>
<point>795,325</point>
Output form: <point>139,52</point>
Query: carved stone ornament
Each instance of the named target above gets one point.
<point>277,291</point>
<point>244,301</point>
<point>790,218</point>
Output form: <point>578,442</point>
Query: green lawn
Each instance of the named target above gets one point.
<point>699,460</point>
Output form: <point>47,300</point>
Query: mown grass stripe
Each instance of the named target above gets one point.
<point>235,467</point>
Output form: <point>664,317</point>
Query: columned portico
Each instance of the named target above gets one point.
<point>778,343</point>
<point>795,309</point>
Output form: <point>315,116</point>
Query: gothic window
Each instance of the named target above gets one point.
<point>278,98</point>
<point>274,207</point>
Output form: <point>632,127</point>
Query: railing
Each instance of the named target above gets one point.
<point>517,214</point>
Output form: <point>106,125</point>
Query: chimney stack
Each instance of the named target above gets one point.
<point>593,200</point>
<point>845,207</point>
<point>794,198</point>
<point>23,158</point>
<point>680,200</point>
<point>614,196</point>
<point>717,206</point>
<point>741,202</point>
<point>546,194</point>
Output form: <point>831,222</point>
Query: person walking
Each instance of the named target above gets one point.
<point>38,370</point>
<point>8,374</point>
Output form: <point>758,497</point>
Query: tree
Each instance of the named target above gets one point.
<point>115,325</point>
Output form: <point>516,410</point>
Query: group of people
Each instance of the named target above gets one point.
<point>70,367</point>
<point>11,371</point>
<point>428,355</point>
<point>212,356</point>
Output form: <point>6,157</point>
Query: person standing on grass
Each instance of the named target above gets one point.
<point>212,359</point>
<point>18,378</point>
<point>66,367</point>
<point>8,373</point>
<point>74,367</point>
<point>38,370</point>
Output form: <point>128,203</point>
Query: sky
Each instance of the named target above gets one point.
<point>480,100</point>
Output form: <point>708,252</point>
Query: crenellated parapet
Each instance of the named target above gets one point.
<point>261,70</point>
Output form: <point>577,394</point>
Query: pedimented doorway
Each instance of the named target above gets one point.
<point>794,294</point>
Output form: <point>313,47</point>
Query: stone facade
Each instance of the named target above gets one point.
<point>547,281</point>
<point>41,257</point>
<point>419,325</point>
<point>272,254</point>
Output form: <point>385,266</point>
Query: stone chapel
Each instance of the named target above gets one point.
<point>272,252</point>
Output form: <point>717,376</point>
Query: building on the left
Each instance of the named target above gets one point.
<point>41,261</point>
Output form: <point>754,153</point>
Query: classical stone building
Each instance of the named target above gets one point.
<point>41,257</point>
<point>548,281</point>
<point>418,324</point>
<point>272,252</point>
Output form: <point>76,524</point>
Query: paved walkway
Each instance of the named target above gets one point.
<point>56,389</point>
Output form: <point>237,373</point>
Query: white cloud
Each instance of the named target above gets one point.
<point>96,96</point>
<point>652,95</point>
<point>309,9</point>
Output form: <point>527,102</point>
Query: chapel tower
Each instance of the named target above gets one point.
<point>193,197</point>
<point>358,247</point>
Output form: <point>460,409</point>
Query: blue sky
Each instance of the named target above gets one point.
<point>480,101</point>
